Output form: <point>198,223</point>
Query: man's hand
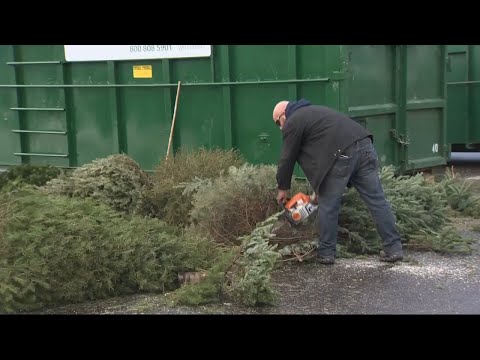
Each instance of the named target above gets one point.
<point>281,197</point>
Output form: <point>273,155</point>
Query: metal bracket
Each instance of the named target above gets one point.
<point>403,140</point>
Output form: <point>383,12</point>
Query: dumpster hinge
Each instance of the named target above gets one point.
<point>403,140</point>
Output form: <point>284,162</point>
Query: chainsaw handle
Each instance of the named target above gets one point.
<point>282,205</point>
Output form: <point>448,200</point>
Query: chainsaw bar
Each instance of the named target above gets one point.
<point>283,220</point>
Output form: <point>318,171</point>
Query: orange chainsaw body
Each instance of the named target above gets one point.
<point>299,208</point>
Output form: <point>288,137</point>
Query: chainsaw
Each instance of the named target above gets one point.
<point>299,208</point>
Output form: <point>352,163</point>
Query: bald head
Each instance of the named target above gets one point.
<point>279,109</point>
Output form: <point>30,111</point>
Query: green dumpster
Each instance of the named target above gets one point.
<point>463,97</point>
<point>66,105</point>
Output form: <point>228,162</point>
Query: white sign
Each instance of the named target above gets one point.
<point>134,52</point>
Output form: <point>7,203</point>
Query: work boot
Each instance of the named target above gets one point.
<point>392,257</point>
<point>325,260</point>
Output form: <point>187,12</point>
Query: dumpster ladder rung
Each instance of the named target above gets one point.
<point>41,155</point>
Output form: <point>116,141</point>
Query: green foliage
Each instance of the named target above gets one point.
<point>251,285</point>
<point>231,205</point>
<point>116,180</point>
<point>351,242</point>
<point>415,202</point>
<point>356,231</point>
<point>419,206</point>
<point>240,274</point>
<point>166,198</point>
<point>421,209</point>
<point>447,241</point>
<point>13,185</point>
<point>3,220</point>
<point>56,250</point>
<point>459,196</point>
<point>199,252</point>
<point>30,174</point>
<point>211,289</point>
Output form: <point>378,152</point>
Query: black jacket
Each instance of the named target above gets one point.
<point>314,136</point>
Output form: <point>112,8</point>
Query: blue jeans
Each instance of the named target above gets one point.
<point>359,166</point>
